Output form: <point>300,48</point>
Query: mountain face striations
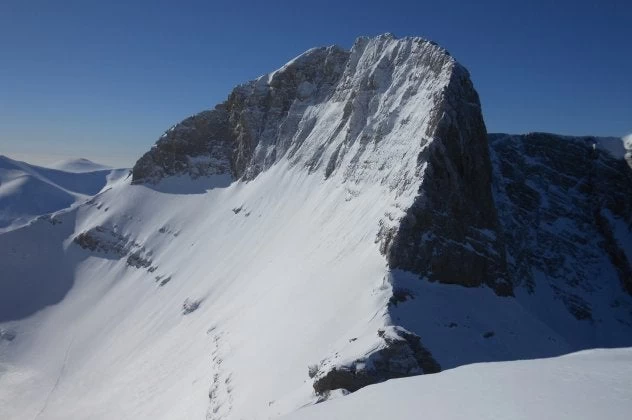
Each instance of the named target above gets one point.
<point>391,96</point>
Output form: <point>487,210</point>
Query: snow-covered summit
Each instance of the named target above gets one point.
<point>313,111</point>
<point>390,112</point>
<point>78,165</point>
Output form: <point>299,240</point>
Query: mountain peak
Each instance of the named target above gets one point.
<point>78,165</point>
<point>272,118</point>
<point>394,112</point>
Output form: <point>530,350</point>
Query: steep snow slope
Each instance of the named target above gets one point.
<point>276,294</point>
<point>295,225</point>
<point>28,191</point>
<point>588,385</point>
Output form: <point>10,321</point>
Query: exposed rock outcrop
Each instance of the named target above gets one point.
<point>451,232</point>
<point>108,241</point>
<point>252,129</point>
<point>7,335</point>
<point>198,146</point>
<point>401,354</point>
<point>190,305</point>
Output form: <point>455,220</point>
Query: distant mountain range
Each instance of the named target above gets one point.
<point>78,165</point>
<point>28,191</point>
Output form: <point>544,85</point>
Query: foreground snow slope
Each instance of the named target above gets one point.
<point>593,384</point>
<point>28,191</point>
<point>281,283</point>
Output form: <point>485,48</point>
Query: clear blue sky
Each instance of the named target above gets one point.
<point>104,79</point>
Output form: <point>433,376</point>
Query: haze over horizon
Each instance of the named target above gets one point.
<point>103,81</point>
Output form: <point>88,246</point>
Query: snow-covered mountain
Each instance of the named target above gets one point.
<point>28,191</point>
<point>78,165</point>
<point>339,222</point>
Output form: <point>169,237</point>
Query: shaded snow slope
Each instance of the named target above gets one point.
<point>28,191</point>
<point>588,385</point>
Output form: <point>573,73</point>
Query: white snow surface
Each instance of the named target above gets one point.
<point>627,144</point>
<point>593,384</point>
<point>283,282</point>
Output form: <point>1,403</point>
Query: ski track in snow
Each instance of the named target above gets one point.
<point>57,381</point>
<point>220,393</point>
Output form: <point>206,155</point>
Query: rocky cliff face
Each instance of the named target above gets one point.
<point>254,127</point>
<point>198,146</point>
<point>451,233</point>
<point>390,100</point>
<point>566,210</point>
<point>402,354</point>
